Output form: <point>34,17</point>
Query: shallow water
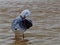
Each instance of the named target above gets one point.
<point>46,22</point>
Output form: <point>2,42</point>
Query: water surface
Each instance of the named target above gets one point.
<point>46,22</point>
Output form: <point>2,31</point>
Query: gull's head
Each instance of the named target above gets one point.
<point>25,13</point>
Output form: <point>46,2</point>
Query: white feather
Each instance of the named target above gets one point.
<point>25,12</point>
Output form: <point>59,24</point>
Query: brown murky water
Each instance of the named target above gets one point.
<point>46,22</point>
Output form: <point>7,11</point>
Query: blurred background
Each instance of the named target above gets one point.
<point>46,22</point>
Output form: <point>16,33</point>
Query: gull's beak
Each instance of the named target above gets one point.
<point>23,17</point>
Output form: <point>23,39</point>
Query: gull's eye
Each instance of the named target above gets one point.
<point>26,13</point>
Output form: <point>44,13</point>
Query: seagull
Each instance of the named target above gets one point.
<point>21,23</point>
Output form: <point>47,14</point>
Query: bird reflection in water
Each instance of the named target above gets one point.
<point>19,42</point>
